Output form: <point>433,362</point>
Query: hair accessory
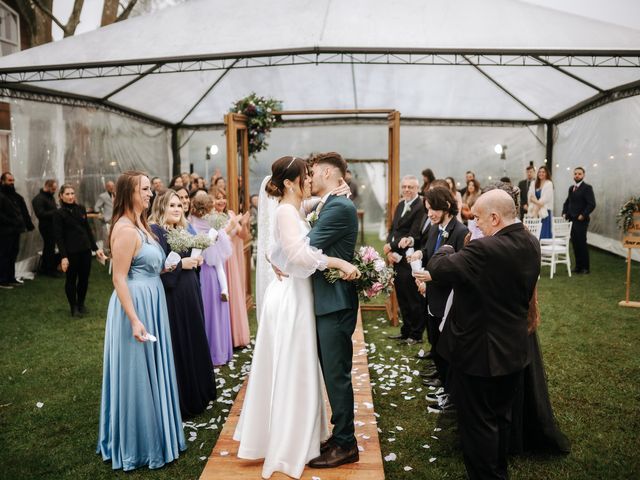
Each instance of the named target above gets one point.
<point>293,159</point>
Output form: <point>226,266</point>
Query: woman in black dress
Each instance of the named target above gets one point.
<point>75,242</point>
<point>194,370</point>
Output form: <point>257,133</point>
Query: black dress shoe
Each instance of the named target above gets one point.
<point>432,382</point>
<point>397,337</point>
<point>430,374</point>
<point>82,309</point>
<point>335,455</point>
<point>324,446</point>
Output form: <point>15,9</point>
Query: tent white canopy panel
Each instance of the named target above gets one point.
<point>443,59</point>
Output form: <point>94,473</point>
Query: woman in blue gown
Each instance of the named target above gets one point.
<point>140,421</point>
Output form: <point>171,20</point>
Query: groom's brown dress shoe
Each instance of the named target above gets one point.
<point>335,455</point>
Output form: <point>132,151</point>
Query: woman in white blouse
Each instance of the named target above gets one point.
<point>540,198</point>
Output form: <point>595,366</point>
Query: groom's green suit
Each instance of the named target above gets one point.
<point>336,308</point>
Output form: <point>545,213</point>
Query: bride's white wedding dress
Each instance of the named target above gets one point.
<point>283,419</point>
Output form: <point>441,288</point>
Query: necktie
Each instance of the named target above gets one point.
<point>407,207</point>
<point>438,240</point>
<point>319,207</point>
<point>575,187</point>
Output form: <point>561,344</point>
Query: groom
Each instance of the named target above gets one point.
<point>336,307</point>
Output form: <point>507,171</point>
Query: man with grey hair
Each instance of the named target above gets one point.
<point>104,206</point>
<point>405,232</point>
<point>493,280</point>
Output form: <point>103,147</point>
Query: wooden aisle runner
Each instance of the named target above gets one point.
<point>223,464</point>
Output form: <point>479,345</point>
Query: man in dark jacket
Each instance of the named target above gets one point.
<point>405,231</point>
<point>44,206</point>
<point>577,207</point>
<point>493,280</point>
<point>14,220</point>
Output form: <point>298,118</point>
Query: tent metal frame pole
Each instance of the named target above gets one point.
<point>549,149</point>
<point>593,58</point>
<point>568,74</point>
<point>497,84</point>
<point>128,84</point>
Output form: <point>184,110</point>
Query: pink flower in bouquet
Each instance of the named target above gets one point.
<point>369,254</point>
<point>377,287</point>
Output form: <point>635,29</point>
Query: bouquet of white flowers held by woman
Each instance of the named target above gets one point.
<point>217,220</point>
<point>180,241</point>
<point>376,277</point>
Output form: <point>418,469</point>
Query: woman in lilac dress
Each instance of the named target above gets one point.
<point>216,312</point>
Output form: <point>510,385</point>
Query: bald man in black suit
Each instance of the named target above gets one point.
<point>493,280</point>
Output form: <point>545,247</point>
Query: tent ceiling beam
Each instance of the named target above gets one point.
<point>204,95</point>
<point>128,84</point>
<point>569,74</point>
<point>598,100</point>
<point>314,57</point>
<point>497,84</point>
<point>26,92</point>
<point>358,120</point>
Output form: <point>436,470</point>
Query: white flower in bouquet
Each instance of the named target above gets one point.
<point>201,241</point>
<point>312,218</point>
<point>179,239</point>
<point>217,220</point>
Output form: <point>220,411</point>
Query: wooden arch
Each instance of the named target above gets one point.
<point>238,166</point>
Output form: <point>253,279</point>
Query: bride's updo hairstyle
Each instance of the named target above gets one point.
<point>285,168</point>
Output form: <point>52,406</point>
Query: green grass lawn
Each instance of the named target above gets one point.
<point>590,345</point>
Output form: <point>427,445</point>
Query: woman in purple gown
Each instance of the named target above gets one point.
<point>216,312</point>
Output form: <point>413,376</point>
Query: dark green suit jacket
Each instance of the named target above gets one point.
<point>335,233</point>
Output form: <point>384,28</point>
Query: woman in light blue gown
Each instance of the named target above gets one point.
<point>140,421</point>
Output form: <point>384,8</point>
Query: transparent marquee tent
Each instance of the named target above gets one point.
<point>464,74</point>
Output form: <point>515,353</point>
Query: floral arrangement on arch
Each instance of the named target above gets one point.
<point>376,277</point>
<point>259,111</point>
<point>626,212</point>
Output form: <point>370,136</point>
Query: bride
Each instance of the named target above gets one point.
<point>283,419</point>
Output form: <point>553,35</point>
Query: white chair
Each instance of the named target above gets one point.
<point>534,225</point>
<point>557,250</point>
<point>554,221</point>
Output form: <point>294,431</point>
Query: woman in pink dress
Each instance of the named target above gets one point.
<point>235,269</point>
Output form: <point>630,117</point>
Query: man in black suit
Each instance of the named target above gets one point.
<point>445,230</point>
<point>44,206</point>
<point>577,207</point>
<point>524,185</point>
<point>493,280</point>
<point>407,222</point>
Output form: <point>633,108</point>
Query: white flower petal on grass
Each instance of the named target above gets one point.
<point>224,453</point>
<point>432,459</point>
<point>24,371</point>
<point>202,458</point>
<point>433,436</point>
<point>399,428</point>
<point>425,446</point>
<point>437,429</point>
<point>391,457</point>
<point>421,352</point>
<point>39,404</point>
<point>391,440</point>
<point>407,468</point>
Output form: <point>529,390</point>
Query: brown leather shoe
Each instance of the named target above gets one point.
<point>334,456</point>
<point>324,446</point>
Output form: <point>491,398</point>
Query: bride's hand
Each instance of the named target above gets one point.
<point>349,271</point>
<point>342,190</point>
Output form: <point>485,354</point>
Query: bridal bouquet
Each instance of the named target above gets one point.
<point>376,277</point>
